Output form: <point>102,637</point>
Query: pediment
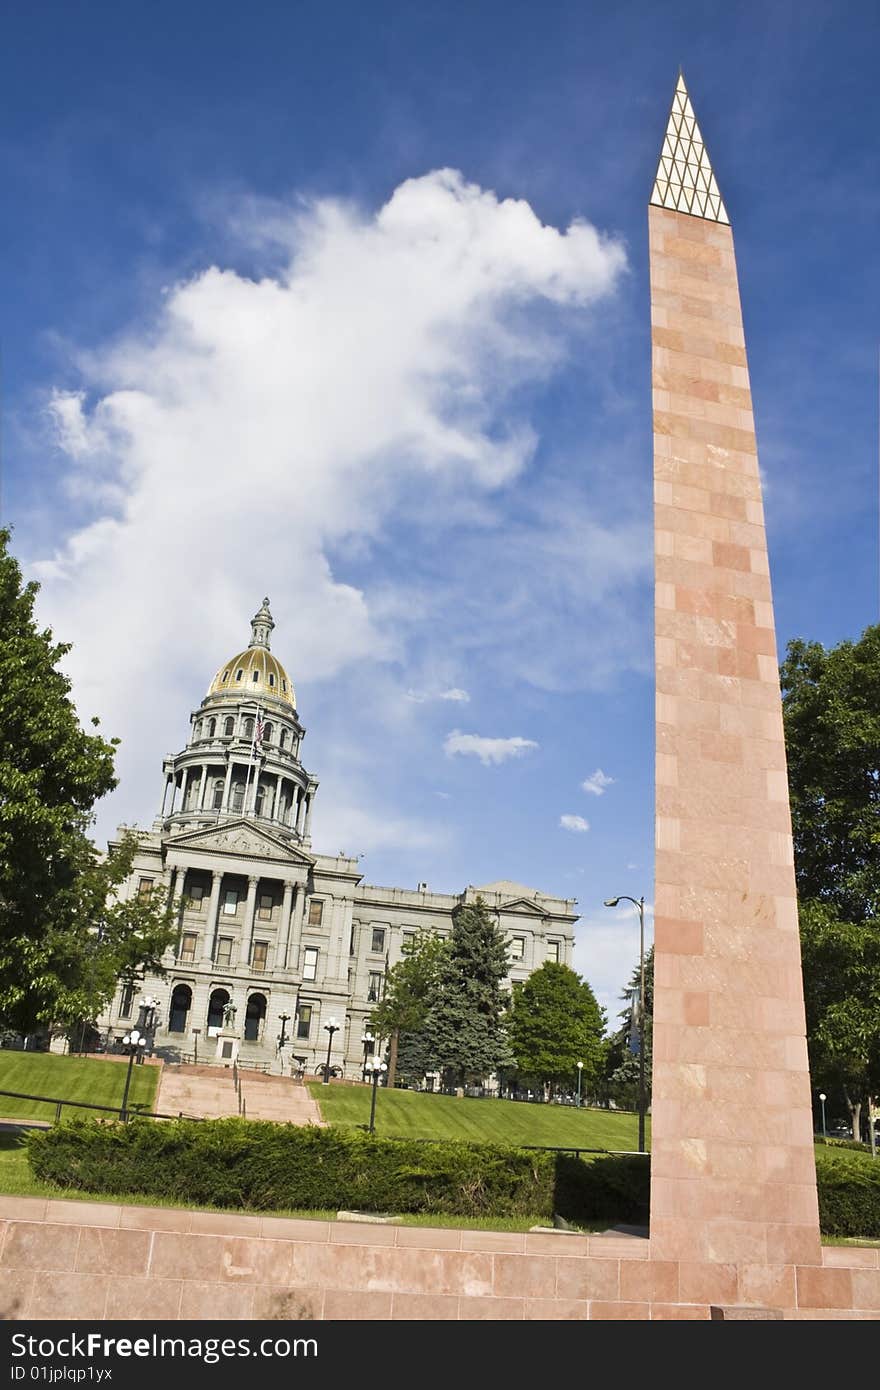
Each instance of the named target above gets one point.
<point>522,905</point>
<point>242,839</point>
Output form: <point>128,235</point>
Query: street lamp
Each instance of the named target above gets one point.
<point>146,1023</point>
<point>823,1098</point>
<point>375,1070</point>
<point>640,904</point>
<point>369,1042</point>
<point>580,1076</point>
<point>284,1019</point>
<point>134,1042</point>
<point>330,1027</point>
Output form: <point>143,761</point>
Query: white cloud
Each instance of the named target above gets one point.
<point>455,695</point>
<point>257,429</point>
<point>576,823</point>
<point>597,782</point>
<point>488,750</point>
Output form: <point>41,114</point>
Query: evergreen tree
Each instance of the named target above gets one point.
<point>554,1023</point>
<point>621,1084</point>
<point>57,962</point>
<point>401,1013</point>
<point>464,1036</point>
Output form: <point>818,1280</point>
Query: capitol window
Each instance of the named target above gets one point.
<point>267,902</point>
<point>316,912</point>
<point>374,988</point>
<point>188,945</point>
<point>271,678</point>
<point>378,943</point>
<point>228,727</point>
<point>145,887</point>
<point>239,673</point>
<point>224,950</point>
<point>310,963</point>
<point>517,947</point>
<point>303,1020</point>
<point>261,953</point>
<point>553,951</point>
<point>230,902</point>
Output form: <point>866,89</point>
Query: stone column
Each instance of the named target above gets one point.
<point>202,786</point>
<point>307,828</point>
<point>296,926</point>
<point>300,811</point>
<point>209,945</point>
<point>284,926</point>
<point>732,1174</point>
<point>249,911</point>
<point>226,786</point>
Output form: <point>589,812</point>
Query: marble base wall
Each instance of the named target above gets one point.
<point>84,1261</point>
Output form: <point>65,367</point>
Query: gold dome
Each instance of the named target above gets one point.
<point>255,673</point>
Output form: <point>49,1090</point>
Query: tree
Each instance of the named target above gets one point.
<point>54,887</point>
<point>841,963</point>
<point>621,1083</point>
<point>554,1023</point>
<point>409,988</point>
<point>831,709</point>
<point>463,1033</point>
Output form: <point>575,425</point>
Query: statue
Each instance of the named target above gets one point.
<point>229,1012</point>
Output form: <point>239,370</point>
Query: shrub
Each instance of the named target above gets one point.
<point>261,1166</point>
<point>849,1191</point>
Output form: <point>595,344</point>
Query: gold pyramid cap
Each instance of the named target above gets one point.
<point>685,181</point>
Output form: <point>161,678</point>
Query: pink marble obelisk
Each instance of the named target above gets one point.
<point>733,1177</point>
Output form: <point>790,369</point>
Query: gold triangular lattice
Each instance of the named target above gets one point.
<point>685,181</point>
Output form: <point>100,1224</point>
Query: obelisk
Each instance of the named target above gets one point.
<point>732,1171</point>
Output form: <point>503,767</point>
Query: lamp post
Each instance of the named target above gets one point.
<point>823,1098</point>
<point>580,1076</point>
<point>375,1070</point>
<point>134,1042</point>
<point>369,1042</point>
<point>146,1023</point>
<point>640,904</point>
<point>282,1036</point>
<point>330,1027</point>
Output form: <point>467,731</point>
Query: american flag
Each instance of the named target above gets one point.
<point>258,734</point>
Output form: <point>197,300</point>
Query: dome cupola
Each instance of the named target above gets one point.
<point>255,673</point>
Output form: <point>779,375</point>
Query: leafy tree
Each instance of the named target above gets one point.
<point>554,1023</point>
<point>841,963</point>
<point>463,1033</point>
<point>55,963</point>
<point>409,988</point>
<point>621,1083</point>
<point>831,707</point>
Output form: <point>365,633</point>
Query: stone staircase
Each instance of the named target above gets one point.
<point>209,1092</point>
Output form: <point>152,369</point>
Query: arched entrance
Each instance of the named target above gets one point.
<point>181,1003</point>
<point>255,1018</point>
<point>216,1004</point>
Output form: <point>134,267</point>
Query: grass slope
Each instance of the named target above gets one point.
<point>420,1115</point>
<point>87,1079</point>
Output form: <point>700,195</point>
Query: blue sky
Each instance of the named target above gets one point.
<point>254,342</point>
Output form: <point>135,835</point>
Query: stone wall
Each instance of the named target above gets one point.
<point>84,1260</point>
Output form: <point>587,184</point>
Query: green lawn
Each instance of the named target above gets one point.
<point>69,1078</point>
<point>420,1115</point>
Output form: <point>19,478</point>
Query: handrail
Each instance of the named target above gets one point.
<point>60,1102</point>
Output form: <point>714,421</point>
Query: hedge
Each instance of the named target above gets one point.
<point>849,1191</point>
<point>260,1166</point>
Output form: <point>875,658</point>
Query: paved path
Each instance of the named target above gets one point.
<point>209,1092</point>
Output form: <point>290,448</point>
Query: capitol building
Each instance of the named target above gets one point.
<point>275,940</point>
